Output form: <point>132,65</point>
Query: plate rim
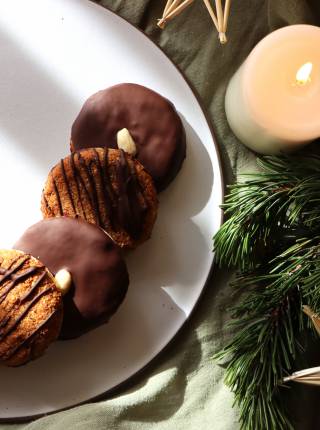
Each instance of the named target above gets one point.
<point>132,379</point>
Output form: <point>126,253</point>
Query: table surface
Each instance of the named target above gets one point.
<point>183,389</point>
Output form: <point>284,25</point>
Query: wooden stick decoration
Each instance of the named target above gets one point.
<point>222,35</point>
<point>308,376</point>
<point>169,3</point>
<point>170,6</point>
<point>211,13</point>
<point>220,19</point>
<point>172,11</point>
<point>174,4</point>
<point>226,15</point>
<point>314,317</point>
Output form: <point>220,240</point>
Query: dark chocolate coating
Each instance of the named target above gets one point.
<point>99,274</point>
<point>151,120</point>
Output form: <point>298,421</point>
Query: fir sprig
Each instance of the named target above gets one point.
<point>272,237</point>
<point>281,201</point>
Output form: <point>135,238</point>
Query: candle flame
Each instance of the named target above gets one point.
<point>304,73</point>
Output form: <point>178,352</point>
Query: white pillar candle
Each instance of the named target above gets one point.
<point>273,101</point>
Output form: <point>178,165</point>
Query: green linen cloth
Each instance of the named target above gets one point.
<point>183,388</point>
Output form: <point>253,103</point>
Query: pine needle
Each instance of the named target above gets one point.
<point>272,236</point>
<point>281,202</point>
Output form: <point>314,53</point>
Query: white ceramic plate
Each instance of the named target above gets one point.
<point>53,55</point>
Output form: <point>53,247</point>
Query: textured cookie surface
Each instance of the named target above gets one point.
<point>30,308</point>
<point>99,274</point>
<point>105,187</point>
<point>151,120</point>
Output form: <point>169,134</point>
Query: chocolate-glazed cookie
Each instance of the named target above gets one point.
<point>105,187</point>
<point>30,308</point>
<point>151,119</point>
<point>99,275</point>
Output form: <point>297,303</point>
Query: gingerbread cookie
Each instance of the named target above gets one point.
<point>30,308</point>
<point>151,119</point>
<point>99,274</point>
<point>105,187</point>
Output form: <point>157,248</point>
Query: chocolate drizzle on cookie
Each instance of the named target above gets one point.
<point>10,317</point>
<point>108,193</point>
<point>91,191</point>
<point>29,337</point>
<point>130,208</point>
<point>9,274</point>
<point>35,285</point>
<point>67,185</point>
<point>57,194</point>
<point>119,206</point>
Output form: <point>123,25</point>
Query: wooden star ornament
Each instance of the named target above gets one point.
<point>219,18</point>
<point>308,376</point>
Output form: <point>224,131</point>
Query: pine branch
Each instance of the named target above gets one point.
<point>268,323</point>
<point>272,213</point>
<point>281,201</point>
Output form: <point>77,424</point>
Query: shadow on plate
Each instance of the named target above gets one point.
<point>189,193</point>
